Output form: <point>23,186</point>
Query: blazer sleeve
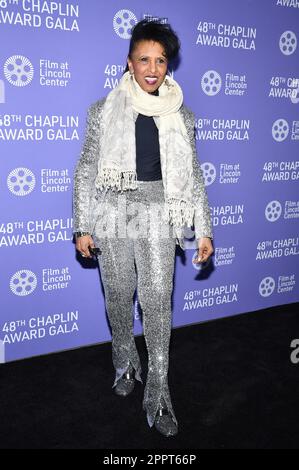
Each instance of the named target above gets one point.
<point>85,171</point>
<point>202,217</point>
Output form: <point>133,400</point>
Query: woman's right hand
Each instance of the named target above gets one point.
<point>82,244</point>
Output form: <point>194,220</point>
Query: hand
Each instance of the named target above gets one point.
<point>205,249</point>
<point>82,244</point>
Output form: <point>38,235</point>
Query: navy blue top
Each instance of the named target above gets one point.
<point>148,164</point>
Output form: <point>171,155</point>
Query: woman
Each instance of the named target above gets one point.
<point>140,147</point>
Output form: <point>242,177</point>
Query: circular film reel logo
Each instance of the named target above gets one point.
<point>288,42</point>
<point>23,282</point>
<point>18,70</point>
<point>280,130</point>
<point>267,286</point>
<point>21,181</point>
<point>123,22</point>
<point>208,172</point>
<point>273,211</point>
<point>211,83</point>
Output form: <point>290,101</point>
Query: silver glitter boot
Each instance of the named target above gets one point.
<point>126,383</point>
<point>164,422</point>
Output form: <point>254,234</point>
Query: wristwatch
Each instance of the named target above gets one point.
<point>81,234</point>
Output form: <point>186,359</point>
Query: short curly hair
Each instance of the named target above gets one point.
<point>151,30</point>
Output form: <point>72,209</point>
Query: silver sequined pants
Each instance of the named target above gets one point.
<point>145,262</point>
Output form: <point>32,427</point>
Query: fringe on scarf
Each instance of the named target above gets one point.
<point>114,178</point>
<point>179,212</point>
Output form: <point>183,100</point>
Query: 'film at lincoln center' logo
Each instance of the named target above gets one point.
<point>21,181</point>
<point>267,286</point>
<point>273,211</point>
<point>288,42</point>
<point>208,173</point>
<point>280,130</point>
<point>211,82</point>
<point>23,282</point>
<point>18,70</point>
<point>123,23</point>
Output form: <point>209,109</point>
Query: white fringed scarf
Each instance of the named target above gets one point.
<point>117,162</point>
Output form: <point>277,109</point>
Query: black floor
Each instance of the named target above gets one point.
<point>232,382</point>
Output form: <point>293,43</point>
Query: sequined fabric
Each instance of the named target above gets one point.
<point>85,194</point>
<point>125,262</point>
<point>148,264</point>
<point>202,217</point>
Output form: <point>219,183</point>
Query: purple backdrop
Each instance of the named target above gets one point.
<point>240,75</point>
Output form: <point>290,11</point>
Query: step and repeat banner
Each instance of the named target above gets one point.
<point>239,70</point>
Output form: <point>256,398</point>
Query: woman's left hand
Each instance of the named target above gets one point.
<point>205,249</point>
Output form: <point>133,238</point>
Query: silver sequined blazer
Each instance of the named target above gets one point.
<point>85,194</point>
